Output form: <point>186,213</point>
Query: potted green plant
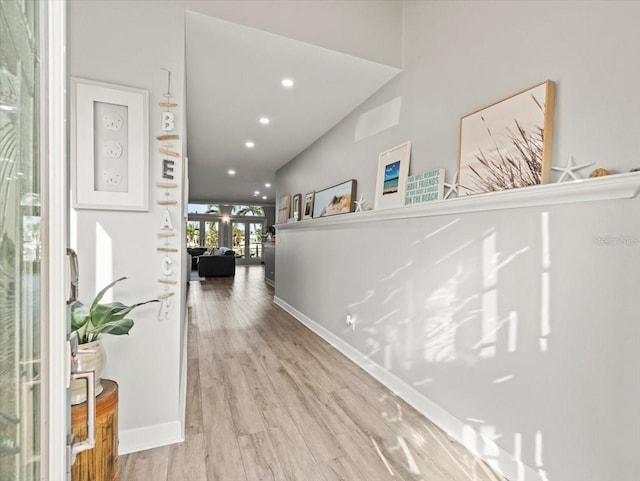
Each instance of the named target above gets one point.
<point>90,323</point>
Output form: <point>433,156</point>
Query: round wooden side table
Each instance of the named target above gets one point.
<point>101,462</point>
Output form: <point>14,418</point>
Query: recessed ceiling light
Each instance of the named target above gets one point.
<point>231,172</point>
<point>287,82</point>
<point>257,192</point>
<point>264,120</point>
<point>249,144</point>
<point>264,197</point>
<point>267,185</point>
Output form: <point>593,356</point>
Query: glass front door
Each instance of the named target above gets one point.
<point>21,369</point>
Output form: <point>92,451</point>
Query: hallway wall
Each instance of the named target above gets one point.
<point>116,42</point>
<point>127,43</point>
<point>515,329</point>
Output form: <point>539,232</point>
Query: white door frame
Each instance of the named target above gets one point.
<point>54,125</point>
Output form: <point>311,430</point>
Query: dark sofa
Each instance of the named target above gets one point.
<point>217,266</point>
<point>195,252</point>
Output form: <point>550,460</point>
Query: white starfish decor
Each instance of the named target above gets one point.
<point>568,171</point>
<point>452,187</point>
<point>360,203</point>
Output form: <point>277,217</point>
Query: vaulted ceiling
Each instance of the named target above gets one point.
<point>234,76</point>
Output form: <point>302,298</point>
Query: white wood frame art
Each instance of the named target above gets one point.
<point>393,173</point>
<point>109,146</point>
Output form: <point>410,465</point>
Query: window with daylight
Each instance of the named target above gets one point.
<point>212,234</point>
<point>213,209</point>
<point>247,210</point>
<point>193,233</point>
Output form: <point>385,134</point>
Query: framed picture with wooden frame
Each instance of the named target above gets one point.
<point>307,210</point>
<point>296,207</point>
<point>507,144</point>
<point>393,173</point>
<point>335,200</point>
<point>283,209</point>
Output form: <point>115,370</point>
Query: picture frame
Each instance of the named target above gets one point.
<point>307,210</point>
<point>296,207</point>
<point>507,144</point>
<point>109,146</point>
<point>284,204</point>
<point>393,172</point>
<point>334,200</point>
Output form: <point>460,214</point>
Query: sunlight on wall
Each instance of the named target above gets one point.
<point>388,357</point>
<point>73,228</point>
<point>545,323</point>
<point>440,327</point>
<point>513,332</point>
<point>517,456</point>
<point>104,261</point>
<point>490,296</point>
<point>437,231</point>
<point>538,456</point>
<point>459,318</point>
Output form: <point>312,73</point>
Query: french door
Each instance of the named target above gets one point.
<point>33,326</point>
<point>246,237</point>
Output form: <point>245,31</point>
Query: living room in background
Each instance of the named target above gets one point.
<point>239,227</point>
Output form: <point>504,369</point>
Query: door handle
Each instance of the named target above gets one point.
<point>73,275</point>
<point>90,441</point>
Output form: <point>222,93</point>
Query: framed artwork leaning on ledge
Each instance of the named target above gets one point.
<point>393,172</point>
<point>335,200</point>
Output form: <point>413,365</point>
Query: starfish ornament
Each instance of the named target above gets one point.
<point>452,187</point>
<point>569,169</point>
<point>360,203</point>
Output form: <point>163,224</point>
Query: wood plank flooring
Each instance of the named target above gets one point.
<point>268,400</point>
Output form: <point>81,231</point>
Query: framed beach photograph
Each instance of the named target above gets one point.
<point>283,209</point>
<point>335,200</point>
<point>307,211</point>
<point>296,207</point>
<point>393,171</point>
<point>507,144</point>
<point>109,146</point>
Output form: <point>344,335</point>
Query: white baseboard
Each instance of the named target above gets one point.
<point>141,439</point>
<point>182,396</point>
<point>502,461</point>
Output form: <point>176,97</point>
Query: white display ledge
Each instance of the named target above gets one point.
<point>619,186</point>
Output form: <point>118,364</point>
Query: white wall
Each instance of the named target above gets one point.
<point>370,30</point>
<point>557,387</point>
<point>128,43</point>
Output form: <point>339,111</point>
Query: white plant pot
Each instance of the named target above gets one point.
<point>91,357</point>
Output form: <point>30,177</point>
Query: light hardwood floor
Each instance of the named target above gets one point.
<point>268,399</point>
